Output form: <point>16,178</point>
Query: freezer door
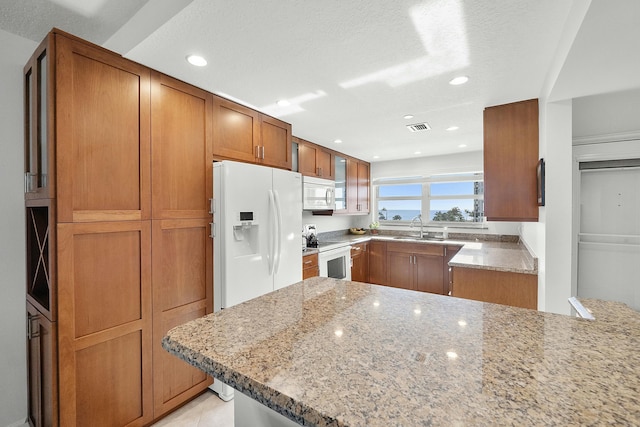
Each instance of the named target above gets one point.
<point>242,242</point>
<point>287,187</point>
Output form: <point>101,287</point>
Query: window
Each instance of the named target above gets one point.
<point>440,199</point>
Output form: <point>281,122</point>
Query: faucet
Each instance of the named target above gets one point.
<point>419,218</point>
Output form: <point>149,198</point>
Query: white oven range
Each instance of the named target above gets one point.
<point>334,260</point>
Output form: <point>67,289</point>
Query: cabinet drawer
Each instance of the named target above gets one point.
<point>359,248</point>
<point>310,261</point>
<point>416,248</point>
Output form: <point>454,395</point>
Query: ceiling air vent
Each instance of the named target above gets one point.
<point>419,127</point>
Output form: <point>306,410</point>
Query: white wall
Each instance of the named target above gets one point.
<point>436,165</point>
<point>608,113</point>
<point>556,134</point>
<point>13,394</point>
<point>326,223</point>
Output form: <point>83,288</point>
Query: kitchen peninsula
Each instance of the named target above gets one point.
<point>328,352</point>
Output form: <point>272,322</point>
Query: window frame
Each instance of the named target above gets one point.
<point>426,198</point>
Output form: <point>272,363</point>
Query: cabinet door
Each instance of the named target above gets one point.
<point>182,281</point>
<point>340,176</point>
<point>378,262</point>
<point>102,135</point>
<point>510,161</point>
<point>276,143</point>
<point>429,277</point>
<point>363,188</point>
<point>38,117</point>
<point>307,164</point>
<point>449,253</point>
<point>41,363</point>
<point>181,144</point>
<point>499,287</point>
<point>236,131</point>
<point>360,262</point>
<point>352,185</point>
<point>104,324</point>
<point>401,270</point>
<point>325,161</point>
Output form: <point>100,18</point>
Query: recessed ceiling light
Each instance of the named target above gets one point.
<point>408,116</point>
<point>453,128</point>
<point>283,103</point>
<point>196,60</point>
<point>462,145</point>
<point>417,152</point>
<point>338,141</point>
<point>460,80</point>
<point>376,157</point>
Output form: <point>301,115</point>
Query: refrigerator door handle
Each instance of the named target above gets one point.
<point>272,238</point>
<point>278,252</point>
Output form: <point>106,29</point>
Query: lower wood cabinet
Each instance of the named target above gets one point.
<point>182,277</point>
<point>360,262</point>
<point>310,266</point>
<point>449,252</point>
<point>500,287</point>
<point>41,369</point>
<point>378,262</point>
<point>415,266</point>
<point>104,324</point>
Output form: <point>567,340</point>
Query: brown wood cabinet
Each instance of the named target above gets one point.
<point>358,187</point>
<point>415,266</point>
<point>41,369</point>
<point>102,133</point>
<point>378,262</point>
<point>500,287</point>
<point>100,296</point>
<point>38,111</point>
<point>315,160</point>
<point>360,262</point>
<point>510,161</point>
<point>182,251</point>
<point>449,252</point>
<point>246,135</point>
<point>310,266</point>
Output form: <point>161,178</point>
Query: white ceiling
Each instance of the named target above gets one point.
<point>353,69</point>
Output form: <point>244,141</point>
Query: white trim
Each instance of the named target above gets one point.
<point>611,137</point>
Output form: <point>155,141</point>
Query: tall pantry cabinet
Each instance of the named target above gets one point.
<point>99,288</point>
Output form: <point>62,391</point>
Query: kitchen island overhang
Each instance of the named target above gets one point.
<point>332,352</point>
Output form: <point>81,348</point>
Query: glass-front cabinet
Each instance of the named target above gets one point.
<point>341,184</point>
<point>37,109</point>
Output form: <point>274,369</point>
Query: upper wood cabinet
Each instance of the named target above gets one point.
<point>102,135</point>
<point>357,186</point>
<point>510,161</point>
<point>236,130</point>
<point>38,115</point>
<point>243,134</point>
<point>275,142</point>
<point>314,160</point>
<point>182,144</point>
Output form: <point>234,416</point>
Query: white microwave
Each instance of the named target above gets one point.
<point>318,194</point>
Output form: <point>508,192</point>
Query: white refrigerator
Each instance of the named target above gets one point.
<point>257,224</point>
<point>257,228</point>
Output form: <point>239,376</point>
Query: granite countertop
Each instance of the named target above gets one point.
<point>328,352</point>
<point>509,256</point>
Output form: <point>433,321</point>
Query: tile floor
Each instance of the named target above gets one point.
<point>206,410</point>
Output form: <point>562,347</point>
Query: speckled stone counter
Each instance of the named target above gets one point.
<point>499,256</point>
<point>499,253</point>
<point>327,352</point>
